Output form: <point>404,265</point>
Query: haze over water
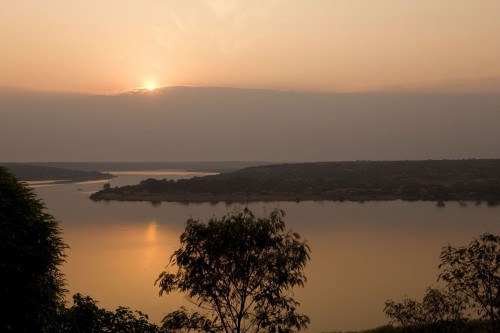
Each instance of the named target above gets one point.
<point>362,253</point>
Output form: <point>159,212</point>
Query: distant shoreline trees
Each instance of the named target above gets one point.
<point>433,180</point>
<point>37,172</point>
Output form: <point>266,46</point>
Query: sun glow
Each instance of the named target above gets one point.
<point>150,87</point>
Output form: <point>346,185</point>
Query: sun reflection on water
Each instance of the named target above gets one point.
<point>152,232</point>
<point>151,248</point>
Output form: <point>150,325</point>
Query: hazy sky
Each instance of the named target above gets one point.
<point>210,124</point>
<point>320,45</point>
<point>426,75</point>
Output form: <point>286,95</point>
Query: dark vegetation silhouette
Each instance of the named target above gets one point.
<point>473,272</point>
<point>240,270</point>
<point>34,172</point>
<point>472,283</point>
<point>440,181</point>
<point>86,317</point>
<point>31,251</point>
<point>183,320</point>
<point>438,312</point>
<point>31,284</point>
<point>200,166</point>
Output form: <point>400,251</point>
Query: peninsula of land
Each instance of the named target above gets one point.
<point>31,172</point>
<point>434,180</point>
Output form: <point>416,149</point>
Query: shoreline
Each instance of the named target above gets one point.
<point>439,181</point>
<point>283,197</point>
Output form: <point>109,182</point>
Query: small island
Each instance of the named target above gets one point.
<point>431,180</point>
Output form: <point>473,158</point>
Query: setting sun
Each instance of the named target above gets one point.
<point>150,87</point>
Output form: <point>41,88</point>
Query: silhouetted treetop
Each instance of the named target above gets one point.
<point>240,269</point>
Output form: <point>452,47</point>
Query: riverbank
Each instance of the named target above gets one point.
<point>38,173</point>
<point>440,181</point>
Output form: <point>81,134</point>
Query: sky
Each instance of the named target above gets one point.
<point>112,46</point>
<point>291,80</point>
<point>228,124</point>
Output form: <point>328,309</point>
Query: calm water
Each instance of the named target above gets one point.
<point>362,254</point>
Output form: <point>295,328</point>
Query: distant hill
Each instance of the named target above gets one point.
<point>438,180</point>
<point>32,172</point>
<point>196,166</point>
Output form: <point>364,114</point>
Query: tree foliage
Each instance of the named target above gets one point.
<point>472,276</point>
<point>439,180</point>
<point>31,250</point>
<point>182,320</point>
<point>474,272</point>
<point>439,311</point>
<point>86,317</point>
<point>241,269</point>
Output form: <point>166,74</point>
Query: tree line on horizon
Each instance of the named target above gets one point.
<point>36,172</point>
<point>434,180</point>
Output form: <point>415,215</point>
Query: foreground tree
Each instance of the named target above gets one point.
<point>439,311</point>
<point>31,250</point>
<point>86,317</point>
<point>474,272</point>
<point>241,270</point>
